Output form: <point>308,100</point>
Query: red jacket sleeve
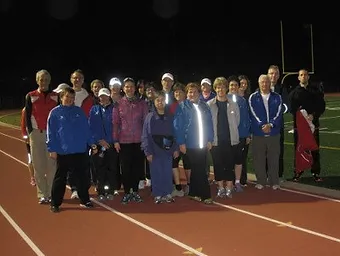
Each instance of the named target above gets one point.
<point>87,105</point>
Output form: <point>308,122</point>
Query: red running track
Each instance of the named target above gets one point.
<point>252,223</point>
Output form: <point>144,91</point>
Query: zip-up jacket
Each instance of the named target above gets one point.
<point>68,131</point>
<point>187,126</point>
<point>259,115</point>
<point>233,115</point>
<point>101,124</point>
<point>244,126</point>
<point>37,107</point>
<point>128,120</point>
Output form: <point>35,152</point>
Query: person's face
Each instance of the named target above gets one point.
<point>233,87</point>
<point>303,77</point>
<point>77,79</point>
<point>193,95</point>
<point>167,84</point>
<point>129,89</point>
<point>68,99</point>
<point>43,82</point>
<point>141,89</point>
<point>221,90</point>
<point>179,95</point>
<point>96,87</point>
<point>150,92</point>
<point>243,85</point>
<point>274,75</point>
<point>206,88</point>
<point>160,103</point>
<point>104,100</point>
<point>264,84</point>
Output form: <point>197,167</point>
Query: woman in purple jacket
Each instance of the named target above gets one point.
<point>159,147</point>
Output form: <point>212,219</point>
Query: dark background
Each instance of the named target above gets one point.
<point>145,38</point>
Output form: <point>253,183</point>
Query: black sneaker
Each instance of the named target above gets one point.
<point>87,205</point>
<point>136,197</point>
<point>126,198</point>
<point>317,178</point>
<point>297,176</point>
<point>54,209</point>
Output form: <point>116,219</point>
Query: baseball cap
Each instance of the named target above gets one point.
<point>104,91</point>
<point>61,87</point>
<point>168,75</point>
<point>206,81</point>
<point>115,82</point>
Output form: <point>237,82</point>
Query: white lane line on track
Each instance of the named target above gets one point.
<point>188,248</point>
<point>126,217</point>
<point>23,235</point>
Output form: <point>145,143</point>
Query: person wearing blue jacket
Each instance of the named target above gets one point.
<point>266,117</point>
<point>194,134</point>
<point>159,147</point>
<point>68,141</point>
<point>106,159</point>
<point>243,128</point>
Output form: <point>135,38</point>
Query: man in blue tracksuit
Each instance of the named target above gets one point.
<point>68,139</point>
<point>266,117</point>
<point>159,147</point>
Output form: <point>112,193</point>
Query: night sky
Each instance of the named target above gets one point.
<point>143,39</point>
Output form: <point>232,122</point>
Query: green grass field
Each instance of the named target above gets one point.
<point>329,140</point>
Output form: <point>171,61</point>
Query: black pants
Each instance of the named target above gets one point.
<point>132,165</point>
<point>316,167</point>
<point>244,161</point>
<point>199,184</point>
<point>105,164</point>
<point>78,164</point>
<point>71,178</point>
<point>282,149</point>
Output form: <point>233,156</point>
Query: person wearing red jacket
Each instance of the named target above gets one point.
<point>38,105</point>
<point>28,147</point>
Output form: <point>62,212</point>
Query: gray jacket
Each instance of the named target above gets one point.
<point>233,119</point>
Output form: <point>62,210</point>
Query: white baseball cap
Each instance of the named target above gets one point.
<point>168,75</point>
<point>206,81</point>
<point>115,82</point>
<point>104,91</point>
<point>61,87</point>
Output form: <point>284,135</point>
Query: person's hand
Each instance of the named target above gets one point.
<point>266,128</point>
<point>183,148</point>
<point>310,117</point>
<point>248,140</point>
<point>53,155</point>
<point>209,145</point>
<point>117,146</point>
<point>104,144</point>
<point>176,154</point>
<point>149,158</point>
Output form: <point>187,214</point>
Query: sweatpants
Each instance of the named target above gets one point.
<point>161,173</point>
<point>44,166</point>
<point>199,183</point>
<point>266,149</point>
<point>78,163</point>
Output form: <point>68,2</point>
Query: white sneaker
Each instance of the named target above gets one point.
<point>74,195</point>
<point>259,186</point>
<point>141,184</point>
<point>148,183</point>
<point>276,187</point>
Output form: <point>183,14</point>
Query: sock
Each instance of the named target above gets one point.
<point>178,187</point>
<point>237,181</point>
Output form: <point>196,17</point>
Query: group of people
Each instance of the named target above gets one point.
<point>133,134</point>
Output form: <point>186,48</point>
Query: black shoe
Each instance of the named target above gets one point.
<point>126,198</point>
<point>54,209</point>
<point>317,178</point>
<point>297,176</point>
<point>136,197</point>
<point>87,205</point>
